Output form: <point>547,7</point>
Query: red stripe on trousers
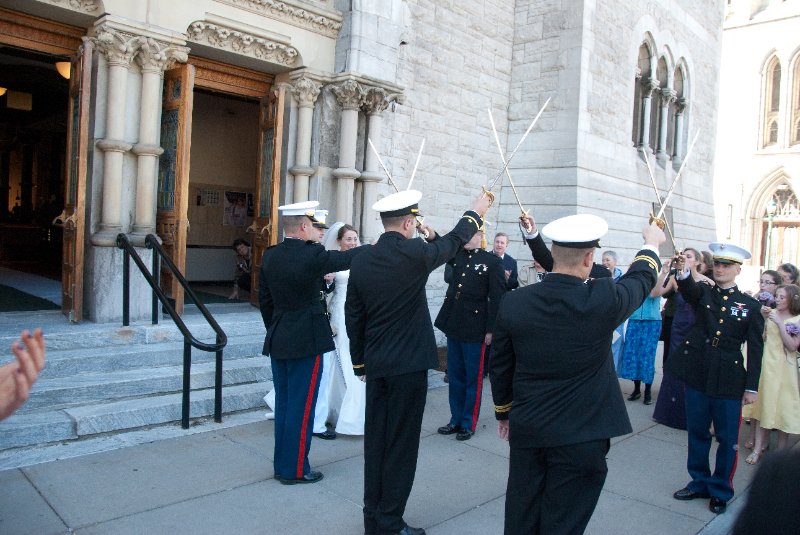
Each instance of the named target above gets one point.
<point>301,450</point>
<point>736,457</point>
<point>476,408</point>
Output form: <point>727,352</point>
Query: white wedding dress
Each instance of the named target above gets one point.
<point>346,394</point>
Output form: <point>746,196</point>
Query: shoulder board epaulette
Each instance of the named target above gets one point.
<point>649,259</point>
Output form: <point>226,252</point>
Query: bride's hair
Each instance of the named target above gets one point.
<point>344,229</point>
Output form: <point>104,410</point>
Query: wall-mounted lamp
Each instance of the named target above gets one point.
<point>3,91</point>
<point>64,68</point>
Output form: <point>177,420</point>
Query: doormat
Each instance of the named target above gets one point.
<point>208,298</point>
<point>13,300</point>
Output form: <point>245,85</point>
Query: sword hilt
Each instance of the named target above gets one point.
<point>488,194</point>
<point>523,219</point>
<point>420,229</point>
<point>660,223</point>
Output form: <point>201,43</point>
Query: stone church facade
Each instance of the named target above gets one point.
<point>758,146</point>
<point>177,113</point>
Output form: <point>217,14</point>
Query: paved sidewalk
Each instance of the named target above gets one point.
<point>219,480</point>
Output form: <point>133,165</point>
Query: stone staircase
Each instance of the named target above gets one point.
<point>110,379</point>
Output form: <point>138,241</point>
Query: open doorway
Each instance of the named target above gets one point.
<point>33,141</point>
<point>224,153</point>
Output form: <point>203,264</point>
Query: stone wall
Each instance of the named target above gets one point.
<point>580,157</point>
<point>455,65</point>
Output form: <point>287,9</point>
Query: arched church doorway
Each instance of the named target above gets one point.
<point>780,228</point>
<point>222,131</point>
<point>35,123</point>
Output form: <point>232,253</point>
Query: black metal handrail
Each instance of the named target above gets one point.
<point>189,341</point>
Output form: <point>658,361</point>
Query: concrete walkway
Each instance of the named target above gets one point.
<point>218,479</point>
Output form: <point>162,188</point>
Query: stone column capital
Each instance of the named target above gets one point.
<point>649,85</point>
<point>377,99</point>
<point>305,91</point>
<point>680,105</point>
<point>350,94</point>
<point>118,47</point>
<point>156,56</point>
<point>667,96</point>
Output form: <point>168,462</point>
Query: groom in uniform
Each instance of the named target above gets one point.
<point>298,333</point>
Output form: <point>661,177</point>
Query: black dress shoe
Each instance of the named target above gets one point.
<point>687,494</point>
<point>408,530</point>
<point>717,505</point>
<point>448,429</point>
<point>634,396</point>
<point>648,400</point>
<point>311,477</point>
<point>464,434</point>
<point>326,435</point>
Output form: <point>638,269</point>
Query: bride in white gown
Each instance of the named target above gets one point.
<point>346,393</point>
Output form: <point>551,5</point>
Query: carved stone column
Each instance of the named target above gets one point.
<point>350,95</point>
<point>153,58</point>
<point>648,86</point>
<point>305,92</point>
<point>677,145</point>
<point>667,98</point>
<point>375,101</point>
<point>119,49</point>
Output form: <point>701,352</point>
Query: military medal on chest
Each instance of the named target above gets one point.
<point>739,310</point>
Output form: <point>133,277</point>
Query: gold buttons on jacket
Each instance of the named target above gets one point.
<point>718,333</point>
<point>459,285</point>
<point>721,320</point>
<point>725,297</point>
<point>723,309</point>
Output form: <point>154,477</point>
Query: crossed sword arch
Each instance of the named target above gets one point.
<point>658,219</point>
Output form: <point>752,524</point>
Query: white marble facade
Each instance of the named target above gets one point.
<point>400,71</point>
<point>755,165</point>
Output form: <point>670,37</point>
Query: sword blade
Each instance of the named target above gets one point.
<point>378,156</point>
<point>519,143</point>
<point>658,197</point>
<point>503,159</point>
<point>414,171</point>
<point>678,176</point>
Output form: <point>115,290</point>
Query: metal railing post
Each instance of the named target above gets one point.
<point>218,385</point>
<point>187,371</point>
<point>126,289</point>
<point>157,278</point>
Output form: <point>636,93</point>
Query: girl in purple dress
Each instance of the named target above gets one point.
<point>671,406</point>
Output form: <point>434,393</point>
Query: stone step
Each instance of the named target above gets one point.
<point>40,428</point>
<point>60,334</point>
<point>63,392</point>
<point>63,363</point>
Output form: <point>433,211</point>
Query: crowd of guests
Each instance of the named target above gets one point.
<point>691,285</point>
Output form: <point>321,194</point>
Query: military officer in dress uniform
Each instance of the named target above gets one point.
<point>711,364</point>
<point>392,344</point>
<point>298,333</point>
<point>542,255</point>
<point>556,394</point>
<point>476,283</point>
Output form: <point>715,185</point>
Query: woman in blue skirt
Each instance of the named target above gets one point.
<point>637,362</point>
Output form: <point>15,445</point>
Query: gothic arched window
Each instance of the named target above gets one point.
<point>641,94</point>
<point>772,102</point>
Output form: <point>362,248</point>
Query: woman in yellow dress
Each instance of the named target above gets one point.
<point>778,404</point>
